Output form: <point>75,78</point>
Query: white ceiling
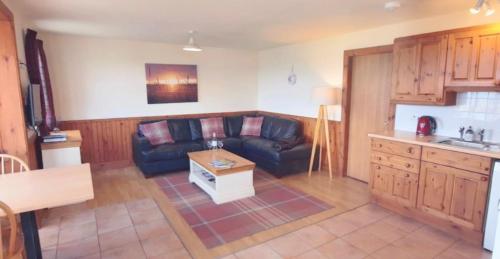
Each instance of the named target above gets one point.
<point>250,24</point>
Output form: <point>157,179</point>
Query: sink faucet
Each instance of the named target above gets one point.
<point>481,135</point>
<point>461,130</point>
<point>469,134</point>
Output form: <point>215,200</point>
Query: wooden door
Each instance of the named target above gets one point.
<point>419,70</point>
<point>370,109</point>
<point>473,59</point>
<point>453,194</point>
<point>395,185</point>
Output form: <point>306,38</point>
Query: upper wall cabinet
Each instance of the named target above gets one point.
<point>473,58</point>
<point>419,70</point>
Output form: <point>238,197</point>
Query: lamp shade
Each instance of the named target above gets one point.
<point>326,95</point>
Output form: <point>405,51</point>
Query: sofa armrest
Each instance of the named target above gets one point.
<point>299,152</point>
<point>140,143</point>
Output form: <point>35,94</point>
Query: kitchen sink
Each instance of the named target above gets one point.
<point>471,144</point>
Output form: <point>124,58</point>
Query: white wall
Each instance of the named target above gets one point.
<point>319,63</point>
<point>95,78</point>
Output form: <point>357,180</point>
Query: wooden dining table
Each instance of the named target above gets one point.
<point>27,192</point>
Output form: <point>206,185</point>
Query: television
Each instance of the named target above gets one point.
<point>34,106</point>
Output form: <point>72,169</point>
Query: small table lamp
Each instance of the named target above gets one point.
<point>323,96</point>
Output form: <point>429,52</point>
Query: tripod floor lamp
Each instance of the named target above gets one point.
<point>323,96</point>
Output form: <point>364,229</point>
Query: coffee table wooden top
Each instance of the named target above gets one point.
<point>204,158</point>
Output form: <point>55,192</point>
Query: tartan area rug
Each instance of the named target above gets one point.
<point>273,204</point>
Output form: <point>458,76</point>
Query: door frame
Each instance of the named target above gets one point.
<point>346,95</point>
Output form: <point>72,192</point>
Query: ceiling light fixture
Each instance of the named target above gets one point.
<point>489,9</point>
<point>192,46</point>
<point>392,5</point>
<point>479,5</point>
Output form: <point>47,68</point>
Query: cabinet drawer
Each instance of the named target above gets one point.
<point>395,185</point>
<point>397,148</point>
<point>459,160</point>
<point>397,162</point>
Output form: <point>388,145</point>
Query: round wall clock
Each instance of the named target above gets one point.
<point>292,78</point>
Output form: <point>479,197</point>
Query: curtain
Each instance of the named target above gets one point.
<point>38,72</point>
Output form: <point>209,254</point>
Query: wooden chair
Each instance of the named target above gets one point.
<point>9,222</point>
<point>8,161</point>
<point>13,248</point>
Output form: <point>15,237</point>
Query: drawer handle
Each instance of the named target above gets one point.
<point>408,165</point>
<point>379,158</point>
<point>410,150</point>
<point>407,175</point>
<point>484,178</point>
<point>378,167</point>
<point>380,145</point>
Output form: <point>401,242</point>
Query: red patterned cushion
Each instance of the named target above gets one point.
<point>210,126</point>
<point>251,126</point>
<point>157,132</point>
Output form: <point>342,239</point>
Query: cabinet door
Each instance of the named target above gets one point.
<point>473,59</point>
<point>394,185</point>
<point>453,194</point>
<point>404,70</point>
<point>468,200</point>
<point>431,69</point>
<point>419,69</point>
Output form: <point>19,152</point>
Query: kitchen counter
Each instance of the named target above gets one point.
<point>412,138</point>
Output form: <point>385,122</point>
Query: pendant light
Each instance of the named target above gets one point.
<point>192,46</point>
<point>479,5</point>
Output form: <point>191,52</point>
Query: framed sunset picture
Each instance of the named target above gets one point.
<point>171,83</point>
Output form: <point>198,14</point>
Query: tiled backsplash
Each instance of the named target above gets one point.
<point>479,110</point>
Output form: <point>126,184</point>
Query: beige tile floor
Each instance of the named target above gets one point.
<point>138,229</point>
<point>366,232</point>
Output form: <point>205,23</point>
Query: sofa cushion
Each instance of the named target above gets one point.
<point>252,126</point>
<point>275,128</point>
<point>157,132</point>
<point>232,144</point>
<point>233,125</point>
<point>195,126</point>
<point>264,148</point>
<point>180,130</point>
<point>170,151</point>
<point>145,122</point>
<point>261,147</point>
<point>212,127</point>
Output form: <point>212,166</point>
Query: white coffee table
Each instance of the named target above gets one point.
<point>229,184</point>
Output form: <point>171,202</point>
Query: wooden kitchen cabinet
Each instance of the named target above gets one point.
<point>473,58</point>
<point>453,194</point>
<point>419,66</point>
<point>395,185</point>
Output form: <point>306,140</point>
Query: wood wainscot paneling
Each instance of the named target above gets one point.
<point>107,143</point>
